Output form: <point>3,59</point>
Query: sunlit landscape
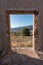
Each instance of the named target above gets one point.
<point>18,36</point>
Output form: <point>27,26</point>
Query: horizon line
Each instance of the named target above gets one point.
<point>20,26</point>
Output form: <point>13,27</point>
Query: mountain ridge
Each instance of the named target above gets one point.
<point>19,28</point>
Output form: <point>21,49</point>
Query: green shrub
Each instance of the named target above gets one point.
<point>26,32</point>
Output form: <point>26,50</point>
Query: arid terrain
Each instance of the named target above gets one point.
<point>22,52</point>
<point>21,41</point>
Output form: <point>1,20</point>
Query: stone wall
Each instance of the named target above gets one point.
<point>24,5</point>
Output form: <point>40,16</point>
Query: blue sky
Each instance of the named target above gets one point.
<point>19,20</point>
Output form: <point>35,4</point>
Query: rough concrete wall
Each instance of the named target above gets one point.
<point>40,25</point>
<point>20,5</point>
<point>1,34</point>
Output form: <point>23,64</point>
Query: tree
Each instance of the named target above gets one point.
<point>26,32</point>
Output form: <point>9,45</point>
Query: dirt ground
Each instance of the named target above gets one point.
<point>22,41</point>
<point>25,51</point>
<point>21,56</point>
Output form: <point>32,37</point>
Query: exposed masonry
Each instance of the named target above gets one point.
<point>16,7</point>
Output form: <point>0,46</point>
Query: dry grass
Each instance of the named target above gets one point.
<point>21,41</point>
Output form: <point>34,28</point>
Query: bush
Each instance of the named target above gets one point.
<point>26,32</point>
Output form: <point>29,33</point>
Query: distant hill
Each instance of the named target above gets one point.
<point>19,28</point>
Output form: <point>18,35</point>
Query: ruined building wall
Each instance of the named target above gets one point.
<point>21,5</point>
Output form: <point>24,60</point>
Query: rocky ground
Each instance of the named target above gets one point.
<point>21,56</point>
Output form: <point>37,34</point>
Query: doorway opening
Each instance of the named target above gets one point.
<point>34,15</point>
<point>21,30</point>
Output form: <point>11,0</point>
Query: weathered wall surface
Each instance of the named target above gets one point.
<point>20,5</point>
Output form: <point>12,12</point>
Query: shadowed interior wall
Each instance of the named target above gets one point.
<point>24,5</point>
